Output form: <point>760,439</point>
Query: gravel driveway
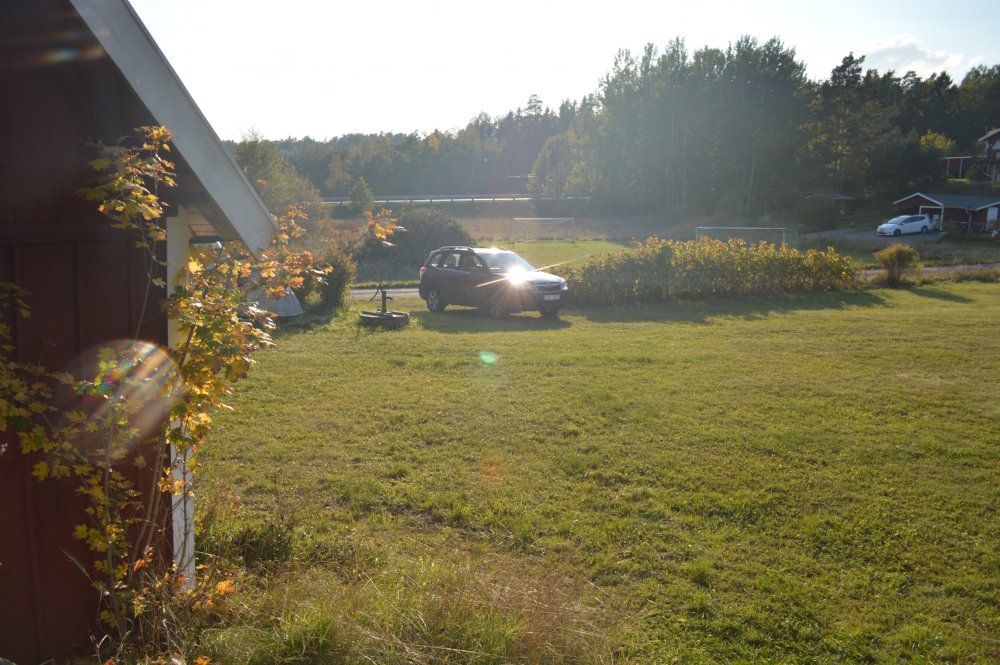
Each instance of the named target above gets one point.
<point>366,294</point>
<point>871,237</point>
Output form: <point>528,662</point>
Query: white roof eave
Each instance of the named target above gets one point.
<point>906,198</point>
<point>130,46</point>
<point>988,135</point>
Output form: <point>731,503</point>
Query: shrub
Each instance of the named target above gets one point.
<point>660,270</point>
<point>334,290</point>
<point>900,263</point>
<point>426,230</point>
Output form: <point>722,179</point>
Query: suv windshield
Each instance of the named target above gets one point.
<point>505,262</point>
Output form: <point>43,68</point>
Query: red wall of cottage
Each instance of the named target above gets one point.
<point>85,284</point>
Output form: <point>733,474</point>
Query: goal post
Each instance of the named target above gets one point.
<point>541,228</point>
<point>752,234</point>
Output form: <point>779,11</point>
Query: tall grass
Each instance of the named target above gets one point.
<point>437,608</point>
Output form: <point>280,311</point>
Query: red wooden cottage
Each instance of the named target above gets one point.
<point>72,71</point>
<point>976,213</point>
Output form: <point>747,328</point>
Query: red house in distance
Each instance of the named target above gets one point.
<point>975,213</point>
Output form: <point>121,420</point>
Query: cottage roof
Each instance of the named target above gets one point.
<point>989,135</point>
<point>956,200</point>
<point>229,203</point>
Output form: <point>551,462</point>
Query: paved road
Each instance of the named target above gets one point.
<point>366,294</point>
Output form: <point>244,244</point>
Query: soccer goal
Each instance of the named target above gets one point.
<point>541,228</point>
<point>750,234</point>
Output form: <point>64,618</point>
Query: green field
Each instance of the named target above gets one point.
<point>545,253</point>
<point>799,479</point>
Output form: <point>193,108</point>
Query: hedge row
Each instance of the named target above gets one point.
<point>660,270</point>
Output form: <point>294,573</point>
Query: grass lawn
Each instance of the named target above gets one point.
<point>800,479</point>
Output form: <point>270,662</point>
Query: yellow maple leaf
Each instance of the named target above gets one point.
<point>40,470</point>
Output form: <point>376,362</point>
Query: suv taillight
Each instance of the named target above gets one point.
<point>423,269</point>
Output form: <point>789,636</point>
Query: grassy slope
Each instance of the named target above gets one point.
<point>802,479</point>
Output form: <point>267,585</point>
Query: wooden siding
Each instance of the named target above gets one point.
<point>85,284</point>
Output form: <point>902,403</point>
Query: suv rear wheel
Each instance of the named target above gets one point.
<point>497,308</point>
<point>434,301</point>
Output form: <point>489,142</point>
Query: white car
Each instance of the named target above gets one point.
<point>898,226</point>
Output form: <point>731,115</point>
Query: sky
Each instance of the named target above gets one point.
<point>323,68</point>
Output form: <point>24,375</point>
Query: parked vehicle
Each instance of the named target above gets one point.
<point>904,224</point>
<point>492,278</point>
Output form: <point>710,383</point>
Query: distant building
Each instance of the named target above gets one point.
<point>958,167</point>
<point>970,213</point>
<point>991,154</point>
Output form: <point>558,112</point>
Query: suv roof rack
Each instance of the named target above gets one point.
<point>458,247</point>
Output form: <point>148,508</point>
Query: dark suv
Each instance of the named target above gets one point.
<point>492,278</point>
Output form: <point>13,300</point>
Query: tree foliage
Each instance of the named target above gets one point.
<point>734,128</point>
<point>426,230</point>
<point>276,181</point>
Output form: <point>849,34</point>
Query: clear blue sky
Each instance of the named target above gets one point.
<point>323,69</point>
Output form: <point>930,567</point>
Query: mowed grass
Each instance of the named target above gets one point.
<point>800,479</point>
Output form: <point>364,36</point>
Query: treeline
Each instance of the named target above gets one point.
<point>745,129</point>
<point>739,129</point>
<point>488,156</point>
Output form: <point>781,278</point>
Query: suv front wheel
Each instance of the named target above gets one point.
<point>549,312</point>
<point>434,301</point>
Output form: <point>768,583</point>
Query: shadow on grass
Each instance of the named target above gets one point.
<point>703,311</point>
<point>936,294</point>
<point>475,320</point>
<point>310,320</point>
<point>471,320</point>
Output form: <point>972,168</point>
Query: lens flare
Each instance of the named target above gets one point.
<point>487,357</point>
<point>517,277</point>
<point>134,378</point>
